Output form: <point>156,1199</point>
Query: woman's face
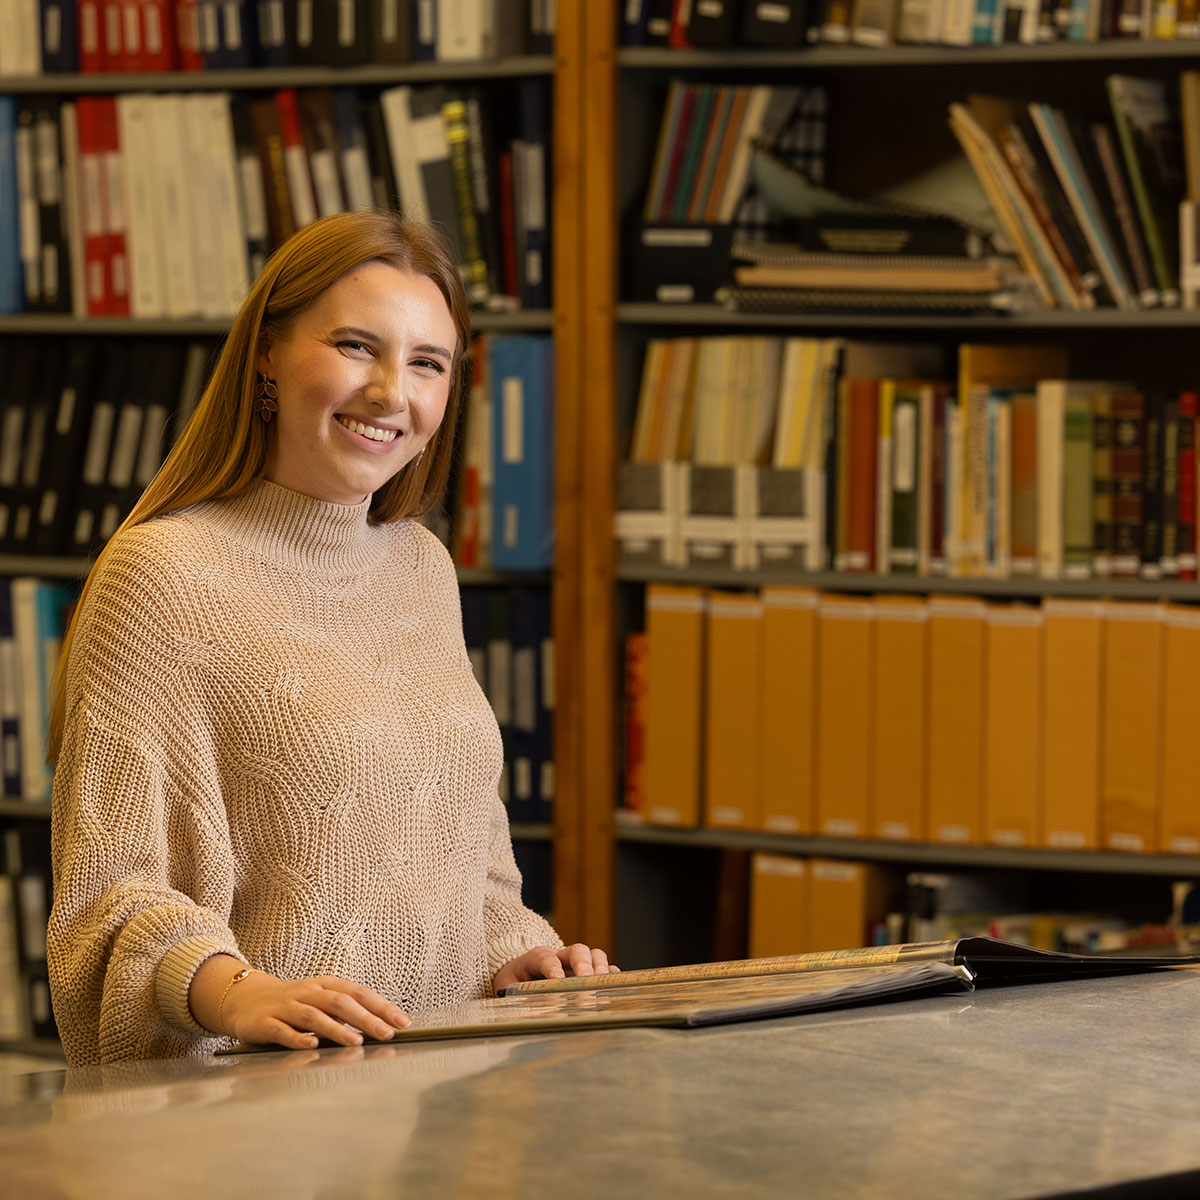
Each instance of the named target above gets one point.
<point>363,378</point>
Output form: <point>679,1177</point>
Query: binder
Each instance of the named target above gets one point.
<point>1179,832</point>
<point>275,22</point>
<point>845,639</point>
<point>774,23</point>
<point>674,703</point>
<point>789,699</point>
<point>424,38</point>
<point>899,699</point>
<point>714,23</point>
<point>11,298</point>
<point>59,21</point>
<point>845,899</point>
<point>956,694</point>
<point>1131,777</point>
<point>343,32</point>
<point>1013,725</point>
<point>391,30</point>
<point>733,711</point>
<point>522,389</point>
<point>780,908</point>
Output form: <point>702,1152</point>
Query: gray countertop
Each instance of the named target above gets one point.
<point>1011,1092</point>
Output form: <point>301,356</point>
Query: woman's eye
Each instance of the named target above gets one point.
<point>430,364</point>
<point>352,345</point>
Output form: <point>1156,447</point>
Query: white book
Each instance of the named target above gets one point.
<point>396,105</point>
<point>178,245</point>
<point>72,220</point>
<point>230,245</point>
<point>138,186</point>
<point>26,34</point>
<point>204,218</point>
<point>463,28</point>
<point>28,221</point>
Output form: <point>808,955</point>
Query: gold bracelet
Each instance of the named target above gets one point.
<point>242,974</point>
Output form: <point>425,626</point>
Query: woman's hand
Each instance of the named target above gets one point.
<point>544,963</point>
<point>291,1013</point>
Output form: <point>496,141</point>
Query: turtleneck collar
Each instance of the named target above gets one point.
<point>299,531</point>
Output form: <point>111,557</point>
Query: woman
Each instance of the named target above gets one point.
<point>275,812</point>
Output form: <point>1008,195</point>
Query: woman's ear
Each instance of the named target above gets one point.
<point>262,360</point>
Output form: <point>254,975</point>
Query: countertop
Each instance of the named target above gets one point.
<point>1017,1091</point>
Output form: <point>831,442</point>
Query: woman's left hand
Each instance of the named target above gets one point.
<point>542,962</point>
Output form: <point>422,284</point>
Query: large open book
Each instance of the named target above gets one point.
<point>688,1003</point>
<point>989,960</point>
<point>749,989</point>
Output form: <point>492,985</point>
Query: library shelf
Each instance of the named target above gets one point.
<point>266,78</point>
<point>630,829</point>
<point>844,581</point>
<point>47,1048</point>
<point>21,810</point>
<point>643,58</point>
<point>682,315</point>
<point>64,323</point>
<point>531,831</point>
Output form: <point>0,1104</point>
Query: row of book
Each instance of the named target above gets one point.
<point>702,159</point>
<point>725,24</point>
<point>509,642</point>
<point>1090,208</point>
<point>803,454</point>
<point>940,719</point>
<point>84,427</point>
<point>25,1010</point>
<point>85,424</point>
<point>167,205</point>
<point>500,504</point>
<point>91,36</point>
<point>805,905</point>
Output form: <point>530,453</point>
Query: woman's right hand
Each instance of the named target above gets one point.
<point>291,1013</point>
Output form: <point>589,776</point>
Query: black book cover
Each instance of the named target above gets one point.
<point>775,23</point>
<point>383,176</point>
<point>60,36</point>
<point>26,416</point>
<point>424,30</point>
<point>343,31</point>
<point>1169,550</point>
<point>714,23</point>
<point>111,369</point>
<point>274,26</point>
<point>391,29</point>
<point>67,434</point>
<point>533,215</point>
<point>631,29</point>
<point>1152,486</point>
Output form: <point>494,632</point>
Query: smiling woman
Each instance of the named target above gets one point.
<point>275,806</point>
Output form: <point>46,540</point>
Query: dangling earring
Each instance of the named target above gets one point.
<point>266,397</point>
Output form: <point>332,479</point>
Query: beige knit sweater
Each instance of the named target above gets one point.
<point>274,748</point>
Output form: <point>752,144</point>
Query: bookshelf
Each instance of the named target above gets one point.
<point>667,879</point>
<point>557,839</point>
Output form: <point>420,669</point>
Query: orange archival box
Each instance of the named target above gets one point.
<point>674,698</point>
<point>900,706</point>
<point>844,898</point>
<point>779,905</point>
<point>1012,724</point>
<point>956,691</point>
<point>1072,704</point>
<point>844,636</point>
<point>1180,829</point>
<point>1131,777</point>
<point>789,721</point>
<point>733,704</point>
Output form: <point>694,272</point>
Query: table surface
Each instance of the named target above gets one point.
<point>1019,1091</point>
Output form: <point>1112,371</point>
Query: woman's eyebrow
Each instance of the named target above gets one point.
<point>430,348</point>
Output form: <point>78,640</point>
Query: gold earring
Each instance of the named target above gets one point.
<point>266,397</point>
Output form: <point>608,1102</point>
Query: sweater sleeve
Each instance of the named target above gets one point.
<point>143,871</point>
<point>510,927</point>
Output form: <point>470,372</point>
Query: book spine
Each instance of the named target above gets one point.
<point>1187,485</point>
<point>1169,550</point>
<point>1128,414</point>
<point>1078,496</point>
<point>1102,484</point>
<point>1152,487</point>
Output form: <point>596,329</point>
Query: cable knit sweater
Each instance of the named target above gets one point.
<point>274,749</point>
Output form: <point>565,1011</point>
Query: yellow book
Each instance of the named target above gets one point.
<point>844,899</point>
<point>733,706</point>
<point>1072,703</point>
<point>899,703</point>
<point>1012,725</point>
<point>779,905</point>
<point>789,679</point>
<point>844,637</point>
<point>1131,779</point>
<point>1180,829</point>
<point>674,698</point>
<point>956,692</point>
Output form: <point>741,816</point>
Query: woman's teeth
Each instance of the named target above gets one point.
<point>369,431</point>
